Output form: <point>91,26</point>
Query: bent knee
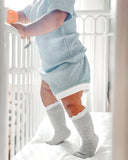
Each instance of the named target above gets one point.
<point>69,105</point>
<point>73,108</point>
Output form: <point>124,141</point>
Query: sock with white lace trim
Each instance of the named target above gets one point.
<point>57,118</point>
<point>85,128</point>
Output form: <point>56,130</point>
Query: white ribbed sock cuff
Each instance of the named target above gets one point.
<point>52,105</point>
<point>79,115</point>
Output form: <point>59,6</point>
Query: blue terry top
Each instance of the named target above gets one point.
<point>61,45</point>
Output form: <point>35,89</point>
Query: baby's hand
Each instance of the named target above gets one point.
<point>12,16</point>
<point>20,28</point>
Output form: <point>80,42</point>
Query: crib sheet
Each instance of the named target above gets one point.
<point>36,149</point>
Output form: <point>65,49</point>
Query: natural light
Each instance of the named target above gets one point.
<point>17,5</point>
<point>63,93</point>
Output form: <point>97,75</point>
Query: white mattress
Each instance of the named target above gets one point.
<point>42,151</point>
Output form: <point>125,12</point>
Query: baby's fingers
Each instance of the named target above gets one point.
<point>21,29</point>
<point>16,25</point>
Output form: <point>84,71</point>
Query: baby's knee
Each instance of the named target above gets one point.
<point>70,105</point>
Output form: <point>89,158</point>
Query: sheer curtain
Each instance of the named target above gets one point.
<point>94,28</point>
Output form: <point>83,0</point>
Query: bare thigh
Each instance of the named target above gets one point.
<point>46,94</point>
<point>72,103</point>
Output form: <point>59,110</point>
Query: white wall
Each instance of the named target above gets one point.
<point>92,4</point>
<point>80,4</point>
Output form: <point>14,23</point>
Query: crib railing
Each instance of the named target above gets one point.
<point>25,107</point>
<point>95,33</point>
<point>25,112</point>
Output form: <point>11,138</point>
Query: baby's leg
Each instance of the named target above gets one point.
<point>83,123</point>
<point>56,115</point>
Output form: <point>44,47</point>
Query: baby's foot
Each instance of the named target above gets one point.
<point>88,148</point>
<point>59,137</point>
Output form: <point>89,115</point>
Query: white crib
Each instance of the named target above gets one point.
<point>24,82</point>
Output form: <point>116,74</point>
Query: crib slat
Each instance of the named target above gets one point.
<point>13,107</point>
<point>7,65</point>
<point>19,93</point>
<point>23,121</point>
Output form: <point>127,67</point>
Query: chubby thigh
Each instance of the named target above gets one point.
<point>72,103</point>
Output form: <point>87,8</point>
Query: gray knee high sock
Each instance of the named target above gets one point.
<point>84,126</point>
<point>57,118</point>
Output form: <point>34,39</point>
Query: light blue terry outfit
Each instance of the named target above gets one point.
<point>64,63</point>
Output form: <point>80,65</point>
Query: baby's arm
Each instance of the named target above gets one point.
<point>43,25</point>
<point>46,24</point>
